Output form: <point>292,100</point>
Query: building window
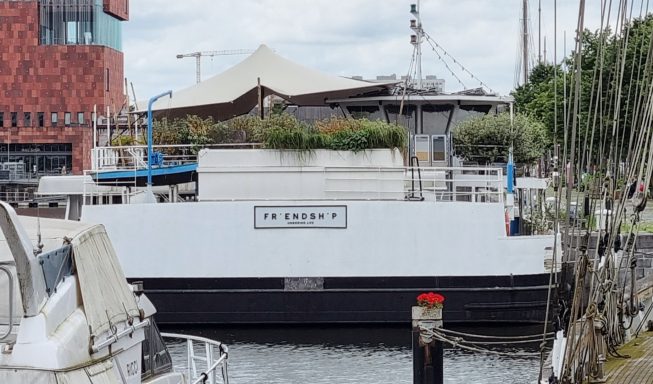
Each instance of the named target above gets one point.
<point>66,119</point>
<point>107,77</point>
<point>14,119</point>
<point>92,117</point>
<point>54,118</point>
<point>80,118</point>
<point>41,118</point>
<point>78,22</point>
<point>2,119</point>
<point>27,119</point>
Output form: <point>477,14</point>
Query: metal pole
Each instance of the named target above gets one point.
<point>510,170</point>
<point>420,33</point>
<point>525,40</point>
<point>149,136</point>
<point>198,64</point>
<point>108,126</point>
<point>94,126</point>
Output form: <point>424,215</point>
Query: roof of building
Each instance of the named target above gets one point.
<point>235,91</point>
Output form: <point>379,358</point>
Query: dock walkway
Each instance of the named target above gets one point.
<point>636,370</point>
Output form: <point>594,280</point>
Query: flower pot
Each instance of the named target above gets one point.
<point>425,313</point>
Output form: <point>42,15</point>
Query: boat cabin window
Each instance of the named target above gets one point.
<point>407,118</point>
<point>435,118</point>
<point>155,357</point>
<point>439,148</point>
<point>7,316</point>
<point>465,112</point>
<point>370,112</point>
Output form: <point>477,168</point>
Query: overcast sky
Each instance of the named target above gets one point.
<point>341,37</point>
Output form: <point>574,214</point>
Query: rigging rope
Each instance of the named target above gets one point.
<point>445,53</point>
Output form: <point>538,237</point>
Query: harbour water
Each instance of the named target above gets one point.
<point>348,355</point>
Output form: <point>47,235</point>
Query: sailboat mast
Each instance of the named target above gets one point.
<point>539,32</point>
<point>525,40</point>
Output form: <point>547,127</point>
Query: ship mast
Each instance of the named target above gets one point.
<point>525,40</point>
<point>417,39</point>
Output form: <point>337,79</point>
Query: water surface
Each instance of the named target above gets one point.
<point>348,355</point>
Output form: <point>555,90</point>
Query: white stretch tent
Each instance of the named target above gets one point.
<point>235,91</point>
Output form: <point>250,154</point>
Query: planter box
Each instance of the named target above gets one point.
<point>266,174</point>
<point>423,313</point>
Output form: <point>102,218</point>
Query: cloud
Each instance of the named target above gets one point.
<point>352,37</point>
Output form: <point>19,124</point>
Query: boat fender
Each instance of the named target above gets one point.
<point>507,219</point>
<point>638,199</point>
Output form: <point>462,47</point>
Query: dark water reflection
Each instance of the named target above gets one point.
<point>349,355</point>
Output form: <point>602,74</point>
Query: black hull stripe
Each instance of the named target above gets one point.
<point>209,301</point>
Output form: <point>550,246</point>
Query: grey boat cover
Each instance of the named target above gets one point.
<point>106,296</point>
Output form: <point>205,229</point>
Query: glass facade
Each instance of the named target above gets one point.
<point>41,159</point>
<point>78,22</point>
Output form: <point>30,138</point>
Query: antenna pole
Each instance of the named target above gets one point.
<point>525,40</point>
<point>419,38</point>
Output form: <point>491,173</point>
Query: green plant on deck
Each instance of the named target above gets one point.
<point>343,135</point>
<point>282,131</point>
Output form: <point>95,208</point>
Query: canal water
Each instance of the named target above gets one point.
<point>348,355</point>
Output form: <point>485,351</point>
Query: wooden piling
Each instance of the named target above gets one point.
<point>428,352</point>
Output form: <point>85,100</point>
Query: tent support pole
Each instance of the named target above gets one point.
<point>260,99</point>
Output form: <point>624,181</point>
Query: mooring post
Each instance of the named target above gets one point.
<point>428,351</point>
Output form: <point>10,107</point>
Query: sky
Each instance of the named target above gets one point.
<point>341,37</point>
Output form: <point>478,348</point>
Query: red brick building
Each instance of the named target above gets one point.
<point>58,59</point>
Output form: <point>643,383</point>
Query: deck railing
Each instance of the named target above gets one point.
<point>455,184</point>
<point>4,268</point>
<point>135,156</point>
<point>204,359</point>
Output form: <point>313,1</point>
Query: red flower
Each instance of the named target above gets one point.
<point>430,300</point>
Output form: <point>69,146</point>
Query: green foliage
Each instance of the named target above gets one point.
<point>121,141</point>
<point>282,131</point>
<point>601,76</point>
<point>487,139</point>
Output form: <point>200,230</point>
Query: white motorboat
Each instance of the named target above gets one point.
<point>67,314</point>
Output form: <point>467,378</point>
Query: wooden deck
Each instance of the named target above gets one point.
<point>636,370</point>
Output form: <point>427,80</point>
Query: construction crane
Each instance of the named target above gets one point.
<point>198,57</point>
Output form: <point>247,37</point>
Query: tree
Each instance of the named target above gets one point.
<point>602,83</point>
<point>487,139</point>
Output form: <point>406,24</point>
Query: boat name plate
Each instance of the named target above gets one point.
<point>296,216</point>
